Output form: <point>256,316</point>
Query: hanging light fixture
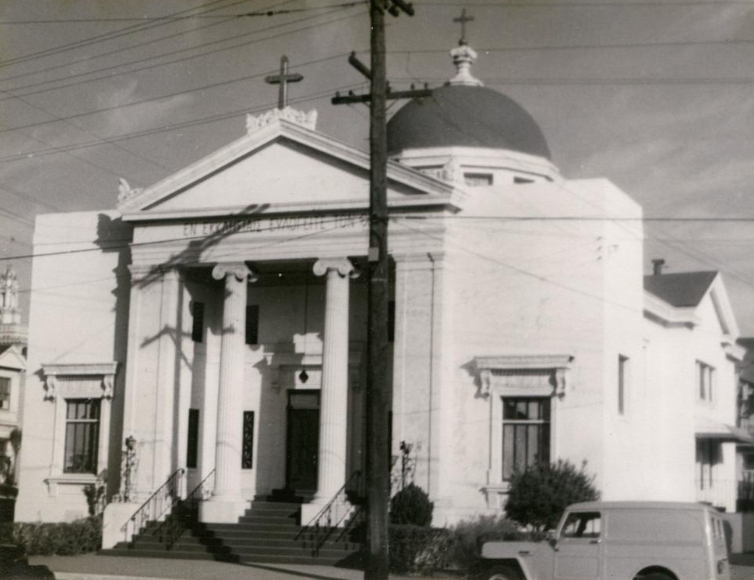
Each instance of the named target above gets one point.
<point>303,375</point>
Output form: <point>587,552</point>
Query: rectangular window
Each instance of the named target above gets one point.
<point>582,525</point>
<point>192,447</point>
<point>247,450</point>
<point>197,328</point>
<point>707,455</point>
<point>477,179</point>
<point>391,321</point>
<point>252,324</point>
<point>4,393</point>
<point>81,435</point>
<point>622,382</point>
<point>705,375</point>
<point>526,433</point>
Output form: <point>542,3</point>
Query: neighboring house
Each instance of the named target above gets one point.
<point>693,365</point>
<point>745,419</point>
<point>216,320</point>
<point>12,371</point>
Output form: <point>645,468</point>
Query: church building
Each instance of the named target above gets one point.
<point>210,330</point>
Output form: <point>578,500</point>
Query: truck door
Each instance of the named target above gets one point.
<point>579,546</point>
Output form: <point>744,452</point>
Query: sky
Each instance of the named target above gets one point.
<point>655,95</point>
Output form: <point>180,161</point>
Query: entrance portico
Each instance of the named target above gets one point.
<point>288,261</point>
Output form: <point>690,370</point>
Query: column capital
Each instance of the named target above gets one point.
<point>238,269</point>
<point>342,266</point>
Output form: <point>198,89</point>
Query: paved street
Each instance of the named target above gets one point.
<point>92,567</point>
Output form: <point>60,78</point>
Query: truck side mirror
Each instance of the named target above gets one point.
<point>552,538</point>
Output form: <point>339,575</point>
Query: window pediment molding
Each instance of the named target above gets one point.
<point>87,388</point>
<point>536,375</point>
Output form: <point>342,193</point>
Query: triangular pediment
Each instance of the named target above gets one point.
<point>12,358</point>
<point>281,167</point>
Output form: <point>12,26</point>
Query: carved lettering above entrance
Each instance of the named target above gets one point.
<point>535,375</point>
<point>270,225</point>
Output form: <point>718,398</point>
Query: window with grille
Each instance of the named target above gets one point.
<point>526,433</point>
<point>197,327</point>
<point>81,435</point>
<point>247,450</point>
<point>4,393</point>
<point>192,448</point>
<point>252,324</point>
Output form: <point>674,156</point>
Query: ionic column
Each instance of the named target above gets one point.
<point>227,503</point>
<point>334,392</point>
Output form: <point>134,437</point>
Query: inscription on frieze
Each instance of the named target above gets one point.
<point>276,224</point>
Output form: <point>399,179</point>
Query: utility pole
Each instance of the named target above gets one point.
<point>379,393</point>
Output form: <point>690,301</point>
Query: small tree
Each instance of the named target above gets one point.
<point>411,506</point>
<point>539,495</point>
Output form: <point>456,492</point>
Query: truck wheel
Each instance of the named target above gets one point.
<point>502,573</point>
<point>655,576</point>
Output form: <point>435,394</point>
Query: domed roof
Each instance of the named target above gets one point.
<point>466,116</point>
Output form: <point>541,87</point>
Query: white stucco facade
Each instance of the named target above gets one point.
<point>196,316</point>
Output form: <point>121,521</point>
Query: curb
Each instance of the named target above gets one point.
<point>80,576</point>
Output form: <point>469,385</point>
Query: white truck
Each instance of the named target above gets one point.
<point>618,541</point>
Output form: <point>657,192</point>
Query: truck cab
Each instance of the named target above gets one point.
<point>618,541</point>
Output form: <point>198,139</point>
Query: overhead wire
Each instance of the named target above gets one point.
<point>187,91</point>
<point>183,125</point>
<point>108,36</point>
<point>161,55</point>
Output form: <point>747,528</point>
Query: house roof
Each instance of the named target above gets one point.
<point>682,290</point>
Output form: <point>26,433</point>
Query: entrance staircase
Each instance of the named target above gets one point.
<point>270,531</point>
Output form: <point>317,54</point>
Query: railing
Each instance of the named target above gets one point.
<point>339,513</point>
<point>186,513</point>
<point>156,505</point>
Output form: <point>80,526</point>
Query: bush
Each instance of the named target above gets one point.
<point>468,537</point>
<point>65,539</point>
<point>539,495</point>
<point>418,549</point>
<point>411,506</point>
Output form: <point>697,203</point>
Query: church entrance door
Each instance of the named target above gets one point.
<point>303,440</point>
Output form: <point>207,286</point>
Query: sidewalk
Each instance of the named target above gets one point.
<point>93,567</point>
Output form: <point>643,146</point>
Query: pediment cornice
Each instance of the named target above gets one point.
<point>136,206</point>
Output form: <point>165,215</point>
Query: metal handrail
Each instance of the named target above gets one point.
<point>175,524</point>
<point>321,526</point>
<point>145,513</point>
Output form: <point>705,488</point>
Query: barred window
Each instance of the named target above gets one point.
<point>192,448</point>
<point>4,393</point>
<point>252,324</point>
<point>247,450</point>
<point>526,433</point>
<point>81,435</point>
<point>197,327</point>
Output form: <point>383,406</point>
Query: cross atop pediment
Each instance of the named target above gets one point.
<point>283,79</point>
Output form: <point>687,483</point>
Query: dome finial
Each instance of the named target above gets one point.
<point>464,56</point>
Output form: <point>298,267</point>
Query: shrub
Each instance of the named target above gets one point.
<point>64,539</point>
<point>539,495</point>
<point>468,537</point>
<point>418,549</point>
<point>411,506</point>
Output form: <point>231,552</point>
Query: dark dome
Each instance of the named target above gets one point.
<point>465,116</point>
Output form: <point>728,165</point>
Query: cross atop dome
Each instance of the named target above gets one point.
<point>463,19</point>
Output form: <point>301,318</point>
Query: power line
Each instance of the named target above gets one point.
<point>78,83</point>
<point>570,218</point>
<point>187,91</point>
<point>88,59</point>
<point>157,130</point>
<point>502,82</point>
<point>259,13</point>
<point>595,4</point>
<point>107,36</point>
<point>122,246</point>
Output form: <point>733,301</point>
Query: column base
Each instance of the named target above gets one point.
<point>217,511</point>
